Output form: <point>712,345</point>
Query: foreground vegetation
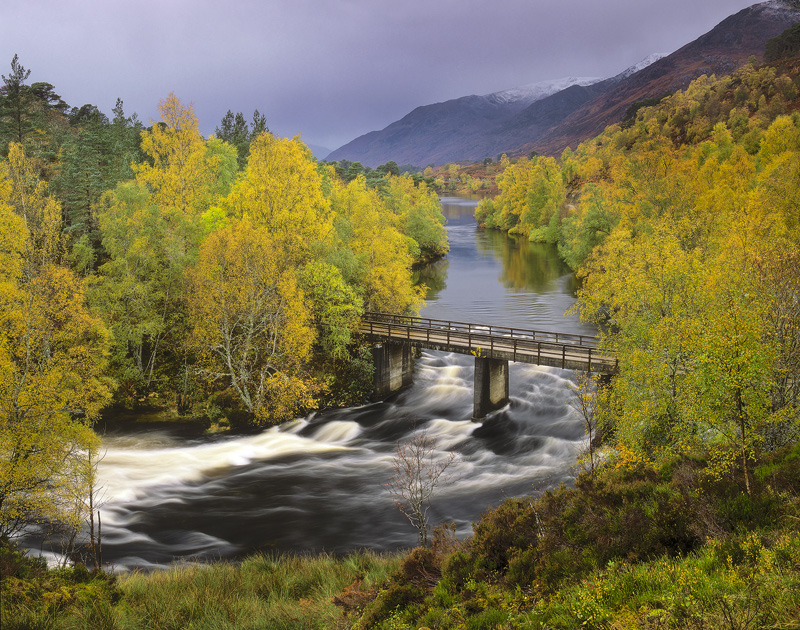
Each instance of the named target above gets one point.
<point>261,592</point>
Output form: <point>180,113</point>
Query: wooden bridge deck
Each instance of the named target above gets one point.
<point>562,350</point>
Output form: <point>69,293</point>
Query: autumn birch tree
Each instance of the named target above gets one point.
<point>151,229</point>
<point>251,324</point>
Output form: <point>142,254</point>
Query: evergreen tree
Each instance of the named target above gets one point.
<point>14,98</point>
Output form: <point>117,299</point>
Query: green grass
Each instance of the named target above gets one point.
<point>704,590</point>
<point>274,593</point>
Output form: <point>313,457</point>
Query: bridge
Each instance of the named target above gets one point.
<point>492,346</point>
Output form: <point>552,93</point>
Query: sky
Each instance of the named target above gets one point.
<point>331,70</point>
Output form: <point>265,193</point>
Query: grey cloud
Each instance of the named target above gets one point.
<point>332,69</point>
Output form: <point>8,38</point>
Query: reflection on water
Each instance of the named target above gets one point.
<point>490,277</point>
<point>526,266</point>
<point>434,277</point>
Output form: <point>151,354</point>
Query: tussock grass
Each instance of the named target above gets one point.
<point>263,592</point>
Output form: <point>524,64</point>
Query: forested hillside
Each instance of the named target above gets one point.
<point>684,225</point>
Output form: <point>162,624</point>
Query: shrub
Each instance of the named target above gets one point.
<point>409,585</point>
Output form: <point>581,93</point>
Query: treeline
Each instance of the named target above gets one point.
<point>476,178</point>
<point>153,266</point>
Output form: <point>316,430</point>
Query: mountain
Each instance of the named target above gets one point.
<point>550,116</point>
<point>726,47</point>
<point>445,132</point>
<point>318,151</point>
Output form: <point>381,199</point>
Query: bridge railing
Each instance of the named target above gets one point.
<point>541,347</point>
<point>442,325</point>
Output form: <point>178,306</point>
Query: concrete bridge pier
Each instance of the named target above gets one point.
<point>394,368</point>
<point>491,386</point>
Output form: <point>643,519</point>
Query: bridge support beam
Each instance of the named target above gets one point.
<point>491,386</point>
<point>394,368</point>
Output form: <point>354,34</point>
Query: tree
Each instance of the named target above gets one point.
<point>151,230</point>
<point>585,399</point>
<point>281,190</point>
<point>52,374</point>
<point>336,307</point>
<point>40,213</point>
<point>370,251</point>
<point>81,182</point>
<point>14,97</point>
<point>181,174</point>
<point>258,124</point>
<point>419,216</point>
<point>233,129</point>
<point>250,322</point>
<point>139,288</point>
<point>418,470</point>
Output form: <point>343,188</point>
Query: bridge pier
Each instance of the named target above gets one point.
<point>491,386</point>
<point>394,368</point>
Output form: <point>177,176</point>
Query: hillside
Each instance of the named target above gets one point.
<point>719,52</point>
<point>472,128</point>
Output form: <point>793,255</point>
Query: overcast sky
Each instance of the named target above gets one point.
<point>331,70</point>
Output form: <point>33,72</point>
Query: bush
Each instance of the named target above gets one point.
<point>407,586</point>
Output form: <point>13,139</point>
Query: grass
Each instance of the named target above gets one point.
<point>274,593</point>
<point>706,589</point>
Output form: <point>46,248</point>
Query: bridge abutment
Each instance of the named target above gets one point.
<point>394,368</point>
<point>491,386</point>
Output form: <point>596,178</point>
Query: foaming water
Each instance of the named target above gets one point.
<point>318,483</point>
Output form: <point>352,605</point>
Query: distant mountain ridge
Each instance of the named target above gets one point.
<point>529,94</point>
<point>549,116</point>
<point>437,133</point>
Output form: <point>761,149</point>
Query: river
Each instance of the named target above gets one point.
<point>317,484</point>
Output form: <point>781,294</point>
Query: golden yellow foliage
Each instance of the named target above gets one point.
<point>182,173</point>
<point>41,214</point>
<point>380,250</point>
<point>281,191</point>
<point>52,372</point>
<point>250,321</point>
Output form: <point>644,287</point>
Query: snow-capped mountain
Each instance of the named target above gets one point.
<point>533,92</point>
<point>644,63</point>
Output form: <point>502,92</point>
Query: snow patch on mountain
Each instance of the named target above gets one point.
<point>780,7</point>
<point>527,94</point>
<point>647,61</point>
<point>533,92</point>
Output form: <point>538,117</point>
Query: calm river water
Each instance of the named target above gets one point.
<point>317,484</point>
